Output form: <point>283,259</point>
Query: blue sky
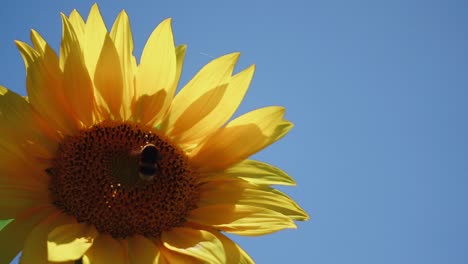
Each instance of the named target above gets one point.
<point>377,90</point>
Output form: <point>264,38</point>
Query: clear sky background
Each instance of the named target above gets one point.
<point>378,91</point>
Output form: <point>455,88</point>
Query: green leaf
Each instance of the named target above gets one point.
<point>3,223</point>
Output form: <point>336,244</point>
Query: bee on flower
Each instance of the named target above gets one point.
<point>104,163</point>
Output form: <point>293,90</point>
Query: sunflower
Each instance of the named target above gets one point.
<point>103,163</point>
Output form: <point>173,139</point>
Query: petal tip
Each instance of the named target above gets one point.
<point>250,71</point>
<point>19,43</point>
<point>235,55</point>
<point>166,24</point>
<point>62,15</point>
<point>94,13</point>
<point>231,58</point>
<point>167,21</point>
<point>74,11</point>
<point>122,14</point>
<point>33,32</point>
<point>3,90</point>
<point>95,6</point>
<point>182,47</point>
<point>289,124</point>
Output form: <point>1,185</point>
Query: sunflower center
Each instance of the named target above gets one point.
<point>124,180</point>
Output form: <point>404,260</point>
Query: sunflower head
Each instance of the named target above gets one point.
<point>104,163</point>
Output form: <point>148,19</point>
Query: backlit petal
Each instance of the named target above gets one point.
<point>35,247</point>
<point>121,35</point>
<point>44,82</point>
<point>108,78</point>
<point>241,219</point>
<point>28,176</point>
<point>180,55</point>
<point>78,88</point>
<point>78,24</point>
<point>17,199</point>
<point>259,173</point>
<point>203,245</point>
<point>207,101</point>
<point>95,34</point>
<point>200,244</point>
<point>142,250</point>
<point>156,75</point>
<point>19,129</point>
<point>12,236</point>
<point>70,242</point>
<point>236,191</point>
<point>234,253</point>
<point>169,256</point>
<point>40,45</point>
<point>241,138</point>
<point>105,250</point>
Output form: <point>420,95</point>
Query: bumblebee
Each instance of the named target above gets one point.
<point>148,164</point>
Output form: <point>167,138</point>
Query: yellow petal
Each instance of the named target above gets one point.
<point>200,244</point>
<point>78,88</point>
<point>203,245</point>
<point>12,236</point>
<point>234,253</point>
<point>105,250</point>
<point>156,75</point>
<point>18,172</point>
<point>108,78</point>
<point>78,24</point>
<point>35,247</point>
<point>255,172</point>
<point>236,191</point>
<point>16,199</point>
<point>207,101</point>
<point>40,45</point>
<point>142,250</point>
<point>24,139</point>
<point>70,242</point>
<point>222,111</point>
<point>44,86</point>
<point>121,35</point>
<point>95,33</point>
<point>20,131</point>
<point>180,55</point>
<point>241,138</point>
<point>15,174</point>
<point>21,143</point>
<point>241,219</point>
<point>169,256</point>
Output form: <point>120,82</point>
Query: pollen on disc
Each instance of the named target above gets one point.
<point>95,178</point>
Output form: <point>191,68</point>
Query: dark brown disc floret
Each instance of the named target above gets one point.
<point>100,177</point>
